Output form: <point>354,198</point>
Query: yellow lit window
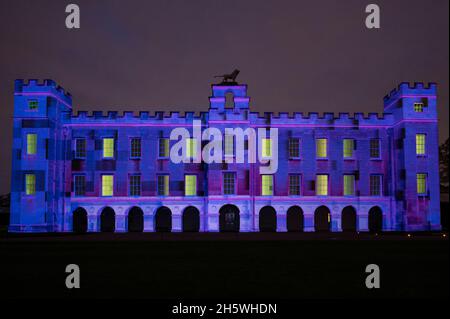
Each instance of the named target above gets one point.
<point>322,185</point>
<point>163,147</point>
<point>418,107</point>
<point>267,185</point>
<point>190,182</point>
<point>321,148</point>
<point>30,184</point>
<point>163,185</point>
<point>420,144</point>
<point>31,144</point>
<point>348,148</point>
<point>266,147</point>
<point>191,147</point>
<point>349,185</point>
<point>108,147</point>
<point>107,185</point>
<point>421,183</point>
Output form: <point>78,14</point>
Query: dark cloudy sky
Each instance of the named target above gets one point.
<point>152,55</point>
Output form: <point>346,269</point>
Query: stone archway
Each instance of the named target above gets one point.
<point>229,219</point>
<point>295,219</point>
<point>348,219</point>
<point>135,219</point>
<point>163,219</point>
<point>267,219</point>
<point>322,219</point>
<point>191,219</point>
<point>80,220</point>
<point>108,220</point>
<point>375,219</point>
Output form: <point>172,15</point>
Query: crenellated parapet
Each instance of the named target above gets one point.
<point>132,118</point>
<point>47,87</point>
<point>406,89</point>
<point>327,119</point>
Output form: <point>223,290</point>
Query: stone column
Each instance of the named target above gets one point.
<point>148,219</point>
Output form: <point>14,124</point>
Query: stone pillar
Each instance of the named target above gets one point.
<point>336,220</point>
<point>281,219</point>
<point>93,225</point>
<point>148,219</point>
<point>308,219</point>
<point>121,224</point>
<point>213,218</point>
<point>363,222</point>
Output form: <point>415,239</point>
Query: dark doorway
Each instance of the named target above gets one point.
<point>267,219</point>
<point>348,219</point>
<point>375,219</point>
<point>294,219</point>
<point>163,219</point>
<point>191,219</point>
<point>229,220</point>
<point>135,220</point>
<point>80,220</point>
<point>322,219</point>
<point>108,220</point>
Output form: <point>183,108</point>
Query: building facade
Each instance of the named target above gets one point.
<point>113,172</point>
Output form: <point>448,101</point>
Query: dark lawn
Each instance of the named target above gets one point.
<point>210,266</point>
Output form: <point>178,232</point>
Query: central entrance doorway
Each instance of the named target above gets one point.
<point>229,220</point>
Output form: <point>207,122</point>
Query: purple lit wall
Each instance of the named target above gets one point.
<point>55,207</point>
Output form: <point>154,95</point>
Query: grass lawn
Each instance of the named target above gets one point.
<point>208,266</point>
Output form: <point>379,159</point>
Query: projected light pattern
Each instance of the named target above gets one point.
<point>111,172</point>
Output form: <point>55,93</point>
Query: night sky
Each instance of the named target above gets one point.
<point>304,56</point>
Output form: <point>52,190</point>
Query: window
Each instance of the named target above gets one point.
<point>31,144</point>
<point>421,184</point>
<point>80,148</point>
<point>322,185</point>
<point>191,147</point>
<point>228,183</point>
<point>418,107</point>
<point>190,182</point>
<point>420,144</point>
<point>163,185</point>
<point>107,185</point>
<point>30,184</point>
<point>266,147</point>
<point>349,146</point>
<point>135,185</point>
<point>294,148</point>
<point>135,148</point>
<point>229,145</point>
<point>374,148</point>
<point>163,147</point>
<point>321,148</point>
<point>267,185</point>
<point>79,182</point>
<point>349,185</point>
<point>375,185</point>
<point>108,147</point>
<point>32,105</point>
<point>294,184</point>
